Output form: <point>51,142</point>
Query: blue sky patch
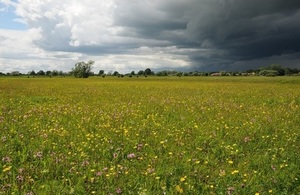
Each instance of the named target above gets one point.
<point>7,19</point>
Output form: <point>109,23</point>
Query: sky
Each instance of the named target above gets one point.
<point>132,35</point>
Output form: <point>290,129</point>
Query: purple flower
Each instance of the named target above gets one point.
<point>230,190</point>
<point>247,139</point>
<point>118,191</point>
<point>21,170</point>
<point>39,155</point>
<point>85,163</point>
<point>115,155</point>
<point>139,146</point>
<point>131,155</point>
<point>6,159</point>
<point>99,173</point>
<point>20,178</point>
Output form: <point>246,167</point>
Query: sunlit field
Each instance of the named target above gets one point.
<point>154,135</point>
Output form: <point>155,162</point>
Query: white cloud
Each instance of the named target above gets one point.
<point>73,23</point>
<point>18,52</point>
<point>56,28</point>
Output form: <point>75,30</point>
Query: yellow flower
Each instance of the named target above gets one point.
<point>7,169</point>
<point>182,179</point>
<point>256,193</point>
<point>179,189</point>
<point>230,162</point>
<point>222,173</point>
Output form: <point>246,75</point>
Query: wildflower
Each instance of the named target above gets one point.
<point>20,178</point>
<point>92,179</point>
<point>21,170</point>
<point>230,190</point>
<point>99,173</point>
<point>38,155</point>
<point>230,162</point>
<point>222,173</point>
<point>179,189</point>
<point>118,191</point>
<point>115,155</point>
<point>150,170</point>
<point>139,146</point>
<point>247,139</point>
<point>234,172</point>
<point>131,155</point>
<point>256,193</point>
<point>3,138</point>
<point>7,169</point>
<point>6,159</point>
<point>85,163</point>
<point>273,167</point>
<point>182,179</point>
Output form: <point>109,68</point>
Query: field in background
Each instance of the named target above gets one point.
<point>190,135</point>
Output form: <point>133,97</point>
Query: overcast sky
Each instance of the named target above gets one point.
<point>126,35</point>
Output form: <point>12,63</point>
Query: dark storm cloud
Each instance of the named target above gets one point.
<point>248,30</point>
<point>232,30</point>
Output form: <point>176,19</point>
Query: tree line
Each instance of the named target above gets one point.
<point>84,70</point>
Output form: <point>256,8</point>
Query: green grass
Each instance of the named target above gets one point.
<point>155,135</point>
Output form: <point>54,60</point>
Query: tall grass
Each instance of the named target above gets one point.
<point>150,135</point>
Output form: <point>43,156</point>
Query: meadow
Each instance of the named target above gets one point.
<point>155,135</point>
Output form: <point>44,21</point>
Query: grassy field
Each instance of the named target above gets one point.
<point>155,135</point>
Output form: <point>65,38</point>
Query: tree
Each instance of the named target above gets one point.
<point>82,69</point>
<point>116,73</point>
<point>32,73</point>
<point>273,68</point>
<point>41,72</point>
<point>54,73</point>
<point>48,72</point>
<point>141,72</point>
<point>268,73</point>
<point>147,71</point>
<point>101,72</point>
<point>15,73</point>
<point>60,73</point>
